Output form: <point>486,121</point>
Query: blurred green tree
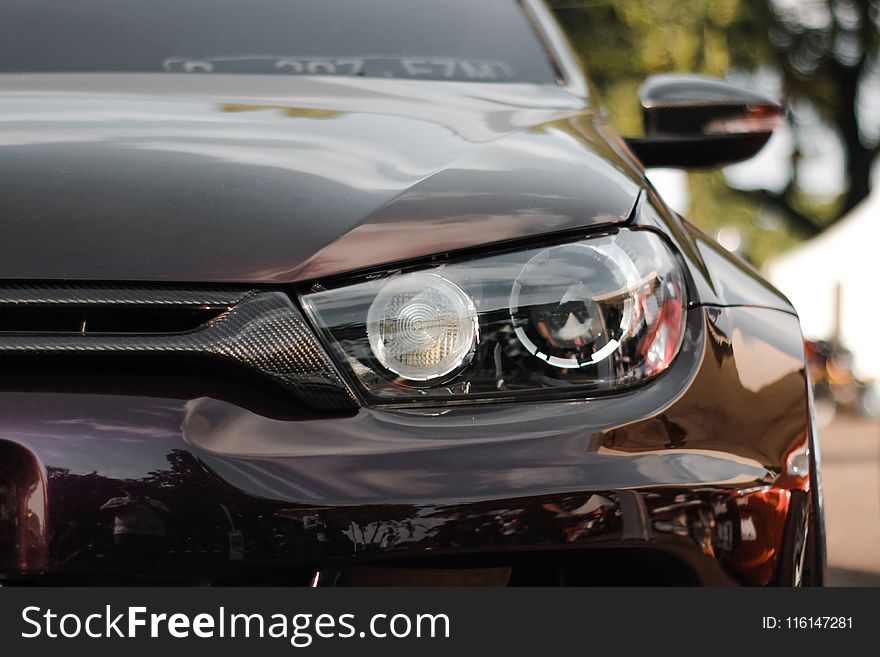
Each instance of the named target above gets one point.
<point>825,53</point>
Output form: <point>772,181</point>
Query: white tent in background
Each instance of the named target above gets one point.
<point>843,262</point>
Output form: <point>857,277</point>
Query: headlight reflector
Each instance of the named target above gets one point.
<point>422,326</point>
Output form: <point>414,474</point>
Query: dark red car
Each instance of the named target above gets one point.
<point>371,292</point>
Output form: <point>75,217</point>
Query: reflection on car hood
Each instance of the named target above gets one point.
<point>278,179</point>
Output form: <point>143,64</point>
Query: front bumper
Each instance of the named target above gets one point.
<point>686,480</point>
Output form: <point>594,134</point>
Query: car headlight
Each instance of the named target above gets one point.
<point>596,314</point>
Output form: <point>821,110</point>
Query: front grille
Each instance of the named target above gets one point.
<point>253,333</point>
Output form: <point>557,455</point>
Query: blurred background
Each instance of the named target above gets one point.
<point>803,211</point>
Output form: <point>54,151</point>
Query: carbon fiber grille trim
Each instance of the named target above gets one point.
<point>260,331</point>
<point>94,295</point>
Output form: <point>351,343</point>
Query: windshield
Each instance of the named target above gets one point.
<point>461,40</point>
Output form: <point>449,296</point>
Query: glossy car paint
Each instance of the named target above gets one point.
<point>664,467</point>
<point>291,182</point>
<point>679,467</point>
<point>273,180</point>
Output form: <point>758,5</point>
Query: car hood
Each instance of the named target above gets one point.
<point>257,179</point>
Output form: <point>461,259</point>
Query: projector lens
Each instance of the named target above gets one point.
<point>573,306</point>
<point>422,327</point>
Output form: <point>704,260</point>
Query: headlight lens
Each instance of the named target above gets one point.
<point>596,314</point>
<point>422,326</point>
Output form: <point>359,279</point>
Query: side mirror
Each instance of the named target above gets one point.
<point>697,121</point>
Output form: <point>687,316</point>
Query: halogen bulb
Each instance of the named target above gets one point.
<point>422,326</point>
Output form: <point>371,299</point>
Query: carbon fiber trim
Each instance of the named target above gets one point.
<point>101,295</point>
<point>262,332</point>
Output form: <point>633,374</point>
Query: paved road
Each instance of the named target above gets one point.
<point>851,473</point>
